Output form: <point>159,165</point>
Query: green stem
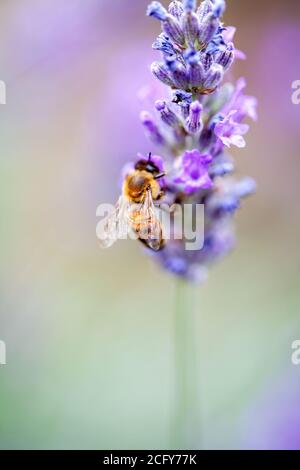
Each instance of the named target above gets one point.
<point>185,430</point>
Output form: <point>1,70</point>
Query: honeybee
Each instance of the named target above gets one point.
<point>135,208</point>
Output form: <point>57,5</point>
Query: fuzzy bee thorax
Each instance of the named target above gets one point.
<point>137,183</point>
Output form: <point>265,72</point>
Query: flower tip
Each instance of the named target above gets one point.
<point>189,5</point>
<point>145,117</point>
<point>176,9</point>
<point>196,107</point>
<point>219,8</point>
<point>207,159</point>
<point>246,187</point>
<point>160,105</point>
<point>157,10</point>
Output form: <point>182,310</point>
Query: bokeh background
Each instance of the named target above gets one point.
<point>88,332</point>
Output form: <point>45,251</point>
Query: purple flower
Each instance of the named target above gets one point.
<point>231,132</point>
<point>245,106</point>
<point>228,35</point>
<point>193,124</point>
<point>193,171</point>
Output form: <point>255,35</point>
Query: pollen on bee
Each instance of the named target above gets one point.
<point>136,185</point>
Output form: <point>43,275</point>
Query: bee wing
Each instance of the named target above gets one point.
<point>116,224</point>
<point>146,224</point>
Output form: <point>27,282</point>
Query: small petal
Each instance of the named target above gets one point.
<point>238,141</point>
<point>226,141</point>
<point>240,55</point>
<point>229,33</point>
<point>242,129</point>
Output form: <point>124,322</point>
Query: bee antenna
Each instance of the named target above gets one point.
<point>160,175</point>
<point>149,156</point>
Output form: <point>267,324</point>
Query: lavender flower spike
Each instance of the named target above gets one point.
<point>197,120</point>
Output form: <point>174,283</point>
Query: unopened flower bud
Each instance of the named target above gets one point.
<point>178,73</point>
<point>208,28</point>
<point>176,9</point>
<point>152,128</point>
<point>194,123</point>
<point>205,8</point>
<point>173,29</point>
<point>161,72</point>
<point>166,114</point>
<point>226,57</point>
<point>214,77</point>
<point>157,11</point>
<point>191,27</point>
